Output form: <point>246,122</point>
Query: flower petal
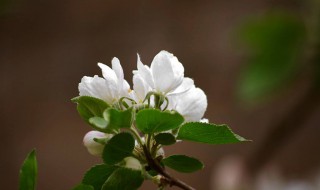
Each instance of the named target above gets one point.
<point>95,87</point>
<point>140,87</point>
<point>192,104</point>
<point>145,72</point>
<point>108,73</point>
<point>186,85</point>
<point>167,72</point>
<point>116,67</point>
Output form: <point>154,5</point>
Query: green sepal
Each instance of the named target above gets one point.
<point>182,163</point>
<point>208,133</point>
<point>99,124</point>
<point>151,121</point>
<point>29,172</point>
<point>117,148</point>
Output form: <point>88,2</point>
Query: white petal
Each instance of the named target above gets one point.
<point>145,72</point>
<point>186,85</point>
<point>140,87</point>
<point>167,72</point>
<point>95,87</point>
<point>125,91</point>
<point>192,104</point>
<point>116,66</point>
<point>108,73</point>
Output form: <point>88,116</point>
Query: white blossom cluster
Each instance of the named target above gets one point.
<point>165,76</point>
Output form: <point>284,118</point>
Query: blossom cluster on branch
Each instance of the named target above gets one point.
<point>131,127</point>
<point>164,79</point>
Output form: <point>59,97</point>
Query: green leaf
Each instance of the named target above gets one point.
<point>152,120</point>
<point>83,187</point>
<point>99,123</point>
<point>97,175</point>
<point>182,163</point>
<point>208,133</point>
<point>124,179</point>
<point>89,107</point>
<point>276,42</point>
<point>165,139</point>
<point>29,172</point>
<point>117,148</point>
<point>118,118</point>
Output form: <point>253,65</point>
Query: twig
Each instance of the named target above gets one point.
<point>154,164</point>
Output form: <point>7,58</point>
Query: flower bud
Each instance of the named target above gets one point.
<point>132,163</point>
<point>94,147</point>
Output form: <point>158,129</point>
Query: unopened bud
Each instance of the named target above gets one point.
<point>132,163</point>
<point>94,148</point>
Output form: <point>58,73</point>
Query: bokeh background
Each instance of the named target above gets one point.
<point>257,61</point>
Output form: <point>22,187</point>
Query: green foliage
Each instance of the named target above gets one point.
<point>83,187</point>
<point>182,163</point>
<point>165,139</point>
<point>89,107</point>
<point>117,148</point>
<point>124,179</point>
<point>151,121</point>
<point>276,43</point>
<point>208,133</point>
<point>97,175</point>
<point>118,118</point>
<point>29,172</point>
<point>99,123</point>
<point>159,128</point>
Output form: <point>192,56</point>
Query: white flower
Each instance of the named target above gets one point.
<point>165,75</point>
<point>93,147</point>
<point>132,163</point>
<point>110,88</point>
<point>191,104</point>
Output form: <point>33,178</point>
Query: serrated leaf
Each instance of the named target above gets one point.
<point>117,148</point>
<point>89,107</point>
<point>97,175</point>
<point>182,163</point>
<point>153,121</point>
<point>208,133</point>
<point>124,179</point>
<point>83,187</point>
<point>29,172</point>
<point>165,139</point>
<point>118,119</point>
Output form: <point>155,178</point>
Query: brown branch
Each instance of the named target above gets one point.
<point>154,164</point>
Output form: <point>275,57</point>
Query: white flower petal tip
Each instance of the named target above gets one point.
<point>92,146</point>
<point>132,163</point>
<point>204,120</point>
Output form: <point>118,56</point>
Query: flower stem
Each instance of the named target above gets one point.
<point>154,164</point>
<point>136,134</point>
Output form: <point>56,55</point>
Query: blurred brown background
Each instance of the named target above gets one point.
<point>47,46</point>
